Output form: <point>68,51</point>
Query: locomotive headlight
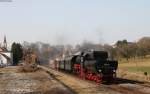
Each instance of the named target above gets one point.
<point>114,70</point>
<point>100,70</point>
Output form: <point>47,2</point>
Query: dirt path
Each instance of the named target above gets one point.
<point>39,82</point>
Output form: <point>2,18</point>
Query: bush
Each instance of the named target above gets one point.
<point>28,68</point>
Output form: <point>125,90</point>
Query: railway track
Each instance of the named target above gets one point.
<point>123,86</point>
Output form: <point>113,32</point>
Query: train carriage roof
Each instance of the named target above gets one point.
<point>71,58</point>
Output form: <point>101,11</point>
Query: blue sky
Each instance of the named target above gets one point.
<point>74,21</point>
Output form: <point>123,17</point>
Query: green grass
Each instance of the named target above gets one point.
<point>136,65</point>
<point>138,69</point>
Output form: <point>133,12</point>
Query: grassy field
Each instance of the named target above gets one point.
<point>137,65</point>
<point>140,70</point>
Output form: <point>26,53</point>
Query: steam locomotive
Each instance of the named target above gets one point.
<point>91,65</point>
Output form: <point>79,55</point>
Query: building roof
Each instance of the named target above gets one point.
<point>3,49</point>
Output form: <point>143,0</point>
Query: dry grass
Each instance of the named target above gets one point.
<point>28,68</point>
<point>133,76</point>
<point>135,62</point>
<point>135,68</point>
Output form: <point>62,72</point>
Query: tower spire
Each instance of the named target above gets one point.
<point>5,42</point>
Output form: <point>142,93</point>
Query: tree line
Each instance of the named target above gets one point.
<point>125,49</point>
<point>46,52</point>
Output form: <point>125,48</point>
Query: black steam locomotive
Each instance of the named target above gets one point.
<point>91,65</point>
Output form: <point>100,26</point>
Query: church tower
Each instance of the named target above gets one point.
<point>5,42</point>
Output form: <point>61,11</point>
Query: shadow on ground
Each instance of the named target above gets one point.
<point>123,81</point>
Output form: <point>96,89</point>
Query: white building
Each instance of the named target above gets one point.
<point>5,55</point>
